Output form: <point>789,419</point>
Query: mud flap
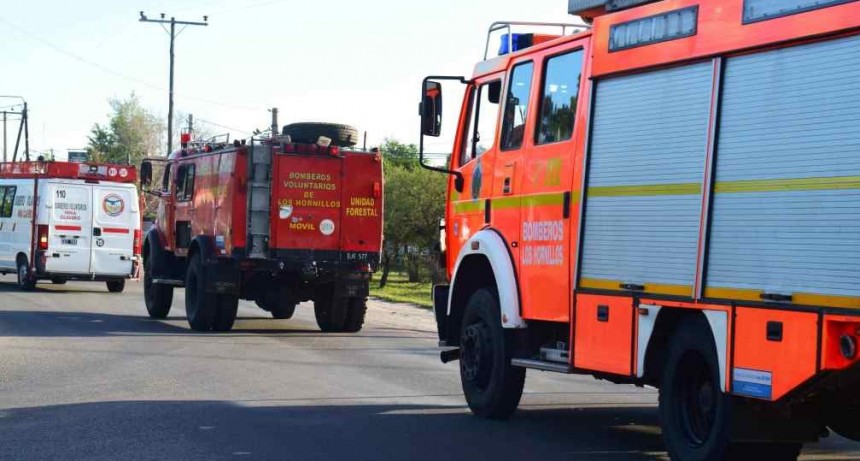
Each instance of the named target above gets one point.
<point>221,278</point>
<point>440,307</point>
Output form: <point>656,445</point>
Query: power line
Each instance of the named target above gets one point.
<point>124,76</point>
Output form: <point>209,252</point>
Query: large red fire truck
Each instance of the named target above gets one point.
<point>671,198</point>
<point>69,221</point>
<point>277,220</point>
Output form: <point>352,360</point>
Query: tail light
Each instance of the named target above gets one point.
<point>377,189</point>
<point>138,243</point>
<point>42,233</point>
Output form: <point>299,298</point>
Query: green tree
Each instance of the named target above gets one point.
<point>414,205</point>
<point>399,154</point>
<point>131,133</point>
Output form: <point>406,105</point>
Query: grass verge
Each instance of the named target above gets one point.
<point>400,290</point>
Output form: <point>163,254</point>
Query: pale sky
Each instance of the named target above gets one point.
<point>353,62</point>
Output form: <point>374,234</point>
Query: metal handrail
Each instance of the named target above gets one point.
<point>501,25</point>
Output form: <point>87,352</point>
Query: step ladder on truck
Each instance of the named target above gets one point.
<point>64,221</point>
<point>281,219</point>
<point>664,197</point>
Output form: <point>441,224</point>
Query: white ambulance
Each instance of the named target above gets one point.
<point>69,221</point>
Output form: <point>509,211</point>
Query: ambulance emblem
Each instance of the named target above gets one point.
<point>113,205</point>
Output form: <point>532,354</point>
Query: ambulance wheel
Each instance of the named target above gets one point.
<point>58,281</point>
<point>356,309</point>
<point>26,282</point>
<point>309,133</point>
<point>200,306</point>
<point>158,297</point>
<point>492,386</point>
<point>695,414</point>
<point>116,286</point>
<point>226,315</point>
<point>330,312</point>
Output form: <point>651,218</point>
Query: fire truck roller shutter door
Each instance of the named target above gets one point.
<point>489,244</point>
<point>646,166</point>
<point>786,209</point>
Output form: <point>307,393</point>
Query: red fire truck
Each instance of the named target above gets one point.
<point>670,197</point>
<point>279,220</point>
<point>69,221</point>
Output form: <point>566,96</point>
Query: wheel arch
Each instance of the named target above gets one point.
<point>652,359</point>
<point>484,261</point>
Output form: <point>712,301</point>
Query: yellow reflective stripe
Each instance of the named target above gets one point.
<point>646,190</point>
<point>652,288</point>
<point>733,293</point>
<point>502,203</point>
<point>547,199</point>
<point>783,185</point>
<point>505,203</point>
<point>469,206</point>
<point>807,299</point>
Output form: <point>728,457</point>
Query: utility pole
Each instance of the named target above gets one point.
<point>274,122</point>
<point>5,159</point>
<point>173,34</point>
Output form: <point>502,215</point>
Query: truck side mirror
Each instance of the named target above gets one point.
<point>431,109</point>
<point>146,174</point>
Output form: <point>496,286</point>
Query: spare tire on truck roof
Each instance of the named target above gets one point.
<point>309,133</point>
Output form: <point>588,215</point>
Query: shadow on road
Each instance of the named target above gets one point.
<point>37,323</point>
<point>223,430</point>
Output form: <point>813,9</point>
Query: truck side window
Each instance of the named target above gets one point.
<point>517,106</point>
<point>483,121</point>
<point>560,95</point>
<point>185,182</point>
<point>7,200</point>
<point>165,181</point>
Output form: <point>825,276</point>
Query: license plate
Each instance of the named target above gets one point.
<point>70,241</point>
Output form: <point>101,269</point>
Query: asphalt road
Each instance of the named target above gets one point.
<point>84,374</point>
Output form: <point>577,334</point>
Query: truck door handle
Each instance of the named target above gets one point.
<point>97,231</point>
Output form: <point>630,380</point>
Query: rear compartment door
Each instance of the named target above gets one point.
<point>70,228</point>
<point>361,213</point>
<point>307,191</point>
<point>115,215</point>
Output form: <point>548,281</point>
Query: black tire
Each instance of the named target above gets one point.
<point>200,306</point>
<point>355,311</point>
<point>695,414</point>
<point>157,297</point>
<point>115,286</point>
<point>330,312</point>
<point>309,133</point>
<point>492,386</point>
<point>26,281</point>
<point>278,303</point>
<point>283,311</point>
<point>228,305</point>
<point>842,419</point>
<point>58,281</point>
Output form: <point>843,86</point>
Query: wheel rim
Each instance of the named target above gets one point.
<point>698,396</point>
<point>477,354</point>
<point>22,275</point>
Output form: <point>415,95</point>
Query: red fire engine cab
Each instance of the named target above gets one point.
<point>667,198</point>
<point>277,220</point>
